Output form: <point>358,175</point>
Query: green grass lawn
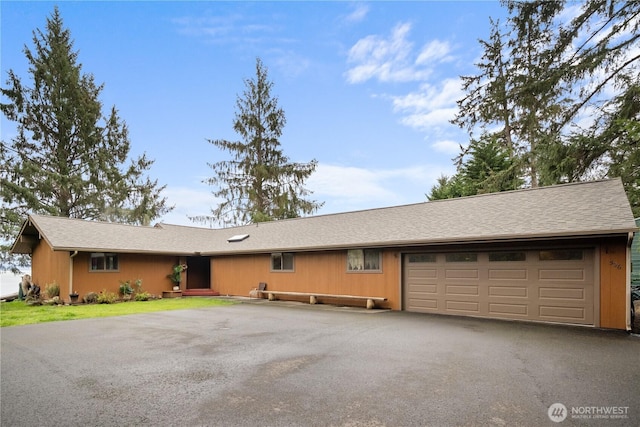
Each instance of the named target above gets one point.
<point>18,313</point>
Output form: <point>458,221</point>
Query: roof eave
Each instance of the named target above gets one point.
<point>125,251</point>
<point>435,242</point>
<point>29,221</point>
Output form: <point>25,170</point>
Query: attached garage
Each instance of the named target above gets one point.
<point>546,284</point>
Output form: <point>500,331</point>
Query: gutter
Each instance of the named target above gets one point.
<point>71,270</point>
<point>628,281</point>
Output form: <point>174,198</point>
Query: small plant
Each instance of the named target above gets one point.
<point>106,297</point>
<point>176,273</point>
<point>52,290</point>
<point>142,296</point>
<point>125,289</point>
<point>90,298</point>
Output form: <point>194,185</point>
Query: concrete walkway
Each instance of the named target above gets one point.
<point>281,364</point>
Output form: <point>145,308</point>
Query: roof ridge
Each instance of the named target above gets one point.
<point>521,190</point>
<point>380,208</point>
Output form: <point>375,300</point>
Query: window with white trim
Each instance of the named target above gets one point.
<point>364,260</point>
<point>101,261</point>
<point>282,261</point>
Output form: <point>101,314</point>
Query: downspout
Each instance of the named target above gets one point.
<point>71,271</point>
<point>628,280</point>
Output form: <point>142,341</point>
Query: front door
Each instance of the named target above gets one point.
<point>198,272</point>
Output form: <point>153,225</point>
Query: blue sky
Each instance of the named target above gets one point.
<point>368,88</point>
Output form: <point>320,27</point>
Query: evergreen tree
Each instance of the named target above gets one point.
<point>559,93</point>
<point>259,183</point>
<point>485,167</point>
<point>67,158</point>
<point>514,91</point>
<point>447,187</point>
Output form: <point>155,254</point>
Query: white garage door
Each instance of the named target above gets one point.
<point>543,285</point>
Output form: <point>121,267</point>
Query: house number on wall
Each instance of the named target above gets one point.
<point>615,264</point>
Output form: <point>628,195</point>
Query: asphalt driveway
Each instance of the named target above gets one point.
<point>278,364</point>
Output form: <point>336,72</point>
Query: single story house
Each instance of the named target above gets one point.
<point>554,254</point>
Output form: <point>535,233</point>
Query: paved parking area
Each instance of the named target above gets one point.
<point>278,364</point>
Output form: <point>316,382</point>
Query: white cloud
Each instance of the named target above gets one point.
<point>226,29</point>
<point>347,188</point>
<point>447,146</point>
<point>385,59</point>
<point>393,59</point>
<point>359,13</point>
<point>188,202</point>
<point>430,106</point>
<point>435,51</point>
<point>290,63</point>
<point>342,188</point>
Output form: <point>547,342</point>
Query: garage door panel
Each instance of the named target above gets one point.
<point>468,307</point>
<point>508,291</point>
<point>562,293</point>
<point>508,274</point>
<point>420,304</point>
<point>531,287</point>
<point>461,290</point>
<point>461,274</point>
<point>563,314</point>
<point>424,289</point>
<point>423,273</point>
<point>509,309</point>
<point>562,274</point>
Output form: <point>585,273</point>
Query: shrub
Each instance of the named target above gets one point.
<point>143,296</point>
<point>125,288</point>
<point>106,297</point>
<point>90,298</point>
<point>52,290</point>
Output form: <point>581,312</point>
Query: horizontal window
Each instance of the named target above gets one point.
<point>561,255</point>
<point>363,260</point>
<point>462,257</point>
<point>507,256</point>
<point>422,258</point>
<point>282,262</point>
<point>103,262</point>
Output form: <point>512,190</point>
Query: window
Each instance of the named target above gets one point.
<point>507,256</point>
<point>422,258</point>
<point>363,260</point>
<point>104,262</point>
<point>462,257</point>
<point>282,262</point>
<point>561,255</point>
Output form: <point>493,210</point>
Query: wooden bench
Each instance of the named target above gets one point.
<point>313,297</point>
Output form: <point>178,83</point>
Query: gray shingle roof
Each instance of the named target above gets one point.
<point>581,209</point>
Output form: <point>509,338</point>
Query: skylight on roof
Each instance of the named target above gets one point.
<point>237,238</point>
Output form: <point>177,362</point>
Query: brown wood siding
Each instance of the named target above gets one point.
<point>613,290</point>
<point>321,272</point>
<point>49,267</point>
<point>152,269</point>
